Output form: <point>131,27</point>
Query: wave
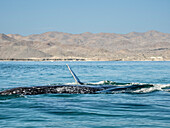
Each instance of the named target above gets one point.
<point>6,97</point>
<point>105,82</point>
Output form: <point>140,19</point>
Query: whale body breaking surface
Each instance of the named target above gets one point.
<point>75,89</point>
<point>78,88</point>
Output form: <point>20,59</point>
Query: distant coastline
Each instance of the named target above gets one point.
<point>59,46</point>
<point>79,59</point>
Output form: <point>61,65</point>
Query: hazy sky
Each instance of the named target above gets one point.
<point>77,16</point>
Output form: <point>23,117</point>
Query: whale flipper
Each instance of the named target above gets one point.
<point>74,76</point>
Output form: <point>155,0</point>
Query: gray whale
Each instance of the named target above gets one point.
<point>78,88</point>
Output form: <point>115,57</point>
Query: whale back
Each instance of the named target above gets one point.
<point>70,89</point>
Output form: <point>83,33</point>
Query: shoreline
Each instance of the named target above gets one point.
<point>73,59</point>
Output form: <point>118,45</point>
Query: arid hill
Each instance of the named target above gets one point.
<point>151,45</point>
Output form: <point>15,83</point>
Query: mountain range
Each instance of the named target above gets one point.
<point>134,46</point>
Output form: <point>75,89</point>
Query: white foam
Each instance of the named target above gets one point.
<point>156,87</point>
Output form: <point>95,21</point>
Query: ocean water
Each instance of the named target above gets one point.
<point>142,107</point>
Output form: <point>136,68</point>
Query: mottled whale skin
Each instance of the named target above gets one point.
<point>70,89</point>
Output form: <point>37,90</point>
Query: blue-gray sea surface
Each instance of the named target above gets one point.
<point>144,107</point>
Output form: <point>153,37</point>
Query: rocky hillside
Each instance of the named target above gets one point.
<point>151,45</point>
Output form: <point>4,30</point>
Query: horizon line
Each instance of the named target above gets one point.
<point>83,33</point>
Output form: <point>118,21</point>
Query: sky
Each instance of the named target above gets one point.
<point>27,17</point>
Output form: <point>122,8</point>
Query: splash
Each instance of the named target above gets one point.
<point>156,87</point>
